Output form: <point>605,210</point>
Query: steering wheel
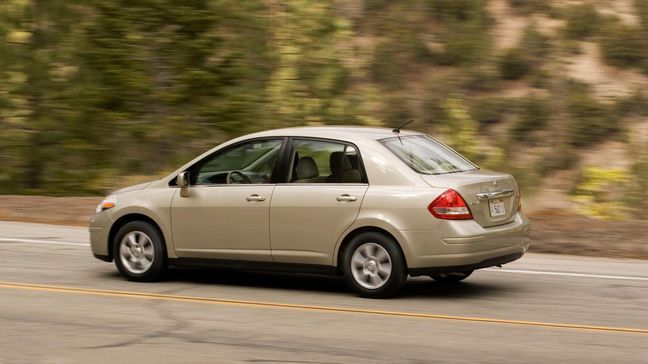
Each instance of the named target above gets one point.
<point>237,177</point>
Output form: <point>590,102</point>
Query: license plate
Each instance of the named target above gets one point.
<point>497,207</point>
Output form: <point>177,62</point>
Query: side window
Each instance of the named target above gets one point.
<point>250,162</point>
<point>318,161</point>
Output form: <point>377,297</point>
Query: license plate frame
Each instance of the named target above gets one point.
<point>497,207</point>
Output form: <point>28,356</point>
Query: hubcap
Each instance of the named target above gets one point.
<point>136,252</point>
<point>371,265</point>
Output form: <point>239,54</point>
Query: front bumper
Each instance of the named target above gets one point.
<point>99,232</point>
<point>465,244</point>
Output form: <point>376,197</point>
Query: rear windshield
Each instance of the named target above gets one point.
<point>427,156</point>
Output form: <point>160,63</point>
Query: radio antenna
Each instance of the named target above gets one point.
<point>397,131</point>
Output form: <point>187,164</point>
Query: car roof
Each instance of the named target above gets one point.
<point>334,132</point>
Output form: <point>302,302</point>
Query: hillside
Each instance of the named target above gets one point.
<point>94,94</point>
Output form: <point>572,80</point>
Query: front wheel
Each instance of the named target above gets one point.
<point>453,277</point>
<point>139,251</point>
<point>374,266</point>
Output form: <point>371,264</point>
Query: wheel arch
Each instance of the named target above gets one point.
<point>360,230</point>
<point>125,219</point>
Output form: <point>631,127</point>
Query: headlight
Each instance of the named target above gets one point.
<point>108,203</point>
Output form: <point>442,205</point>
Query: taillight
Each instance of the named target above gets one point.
<point>451,206</point>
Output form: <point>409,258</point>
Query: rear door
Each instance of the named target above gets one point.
<point>320,199</point>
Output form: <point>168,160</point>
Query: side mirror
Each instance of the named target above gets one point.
<point>183,183</point>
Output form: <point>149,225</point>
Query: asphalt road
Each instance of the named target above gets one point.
<point>60,305</point>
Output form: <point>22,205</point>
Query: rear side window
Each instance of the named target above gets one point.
<point>323,161</point>
<point>427,156</point>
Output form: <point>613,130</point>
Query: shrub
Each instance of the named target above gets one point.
<point>591,121</point>
<point>514,64</point>
<point>465,33</point>
<point>533,113</point>
<point>489,110</point>
<point>582,21</point>
<point>386,66</point>
<point>480,77</point>
<point>457,10</point>
<point>526,7</point>
<point>634,104</point>
<point>623,45</point>
<point>642,11</point>
<point>637,196</point>
<point>562,157</point>
<point>599,192</point>
<point>540,78</point>
<point>535,44</point>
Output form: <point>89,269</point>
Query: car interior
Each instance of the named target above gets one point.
<point>343,168</point>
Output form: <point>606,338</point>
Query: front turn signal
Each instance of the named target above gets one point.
<point>108,203</point>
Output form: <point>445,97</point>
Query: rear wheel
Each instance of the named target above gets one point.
<point>453,277</point>
<point>374,265</point>
<point>139,251</point>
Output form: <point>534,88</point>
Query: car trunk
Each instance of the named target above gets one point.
<point>491,196</point>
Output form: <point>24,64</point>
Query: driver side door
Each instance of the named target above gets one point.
<point>227,213</point>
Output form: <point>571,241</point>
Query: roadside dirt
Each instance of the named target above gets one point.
<point>555,232</point>
<point>75,211</point>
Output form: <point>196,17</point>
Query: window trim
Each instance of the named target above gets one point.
<point>275,171</point>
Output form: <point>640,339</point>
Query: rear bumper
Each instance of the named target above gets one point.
<point>490,262</point>
<point>465,243</point>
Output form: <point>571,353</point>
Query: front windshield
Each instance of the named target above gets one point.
<point>427,156</point>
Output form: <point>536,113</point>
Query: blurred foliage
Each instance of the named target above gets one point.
<point>490,110</point>
<point>514,64</point>
<point>637,196</point>
<point>527,7</point>
<point>591,120</point>
<point>93,92</point>
<point>533,114</point>
<point>633,104</point>
<point>465,36</point>
<point>528,56</point>
<point>600,193</point>
<point>582,20</point>
<point>460,127</point>
<point>623,45</point>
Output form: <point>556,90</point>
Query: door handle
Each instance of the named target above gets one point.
<point>346,197</point>
<point>255,197</point>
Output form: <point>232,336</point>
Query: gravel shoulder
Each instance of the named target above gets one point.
<point>552,232</point>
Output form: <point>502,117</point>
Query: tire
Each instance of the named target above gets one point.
<point>139,252</point>
<point>453,277</point>
<point>374,266</point>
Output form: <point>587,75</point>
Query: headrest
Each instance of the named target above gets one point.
<point>306,168</point>
<point>338,162</point>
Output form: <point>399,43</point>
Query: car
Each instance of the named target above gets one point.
<point>373,205</point>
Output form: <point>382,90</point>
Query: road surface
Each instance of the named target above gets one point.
<point>60,305</point>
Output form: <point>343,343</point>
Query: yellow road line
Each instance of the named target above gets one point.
<point>222,301</point>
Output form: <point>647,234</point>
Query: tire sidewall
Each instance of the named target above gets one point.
<point>398,274</point>
<point>159,254</point>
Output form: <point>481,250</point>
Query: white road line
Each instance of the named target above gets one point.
<point>45,242</point>
<point>567,274</point>
<point>515,271</point>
